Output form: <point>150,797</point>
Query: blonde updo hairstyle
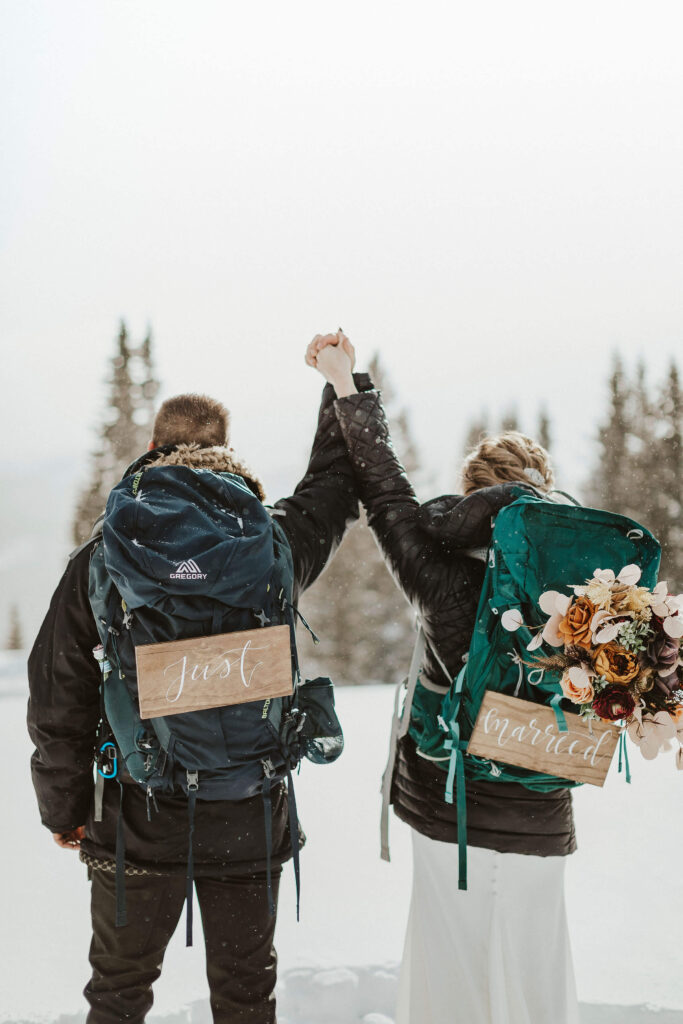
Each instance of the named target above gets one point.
<point>508,457</point>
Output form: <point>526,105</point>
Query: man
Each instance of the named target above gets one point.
<point>229,842</point>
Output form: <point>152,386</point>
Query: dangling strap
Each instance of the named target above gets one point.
<point>288,608</point>
<point>413,675</point>
<point>99,796</point>
<point>388,775</point>
<point>314,636</point>
<point>456,774</point>
<point>121,917</point>
<point>623,755</point>
<point>294,837</point>
<point>268,813</point>
<point>400,724</point>
<point>456,778</point>
<point>192,788</point>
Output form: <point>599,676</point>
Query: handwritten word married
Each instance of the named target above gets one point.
<point>569,743</point>
<point>526,734</point>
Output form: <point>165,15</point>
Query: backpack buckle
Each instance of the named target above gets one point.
<point>192,781</point>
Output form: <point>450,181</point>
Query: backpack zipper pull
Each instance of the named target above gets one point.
<point>151,801</point>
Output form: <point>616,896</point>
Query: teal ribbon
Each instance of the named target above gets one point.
<point>623,755</point>
<point>452,765</point>
<point>559,713</point>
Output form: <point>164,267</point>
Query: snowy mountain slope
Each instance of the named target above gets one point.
<point>624,893</point>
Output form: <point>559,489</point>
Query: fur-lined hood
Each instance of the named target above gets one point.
<point>217,459</point>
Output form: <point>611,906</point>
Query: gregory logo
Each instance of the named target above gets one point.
<point>188,571</point>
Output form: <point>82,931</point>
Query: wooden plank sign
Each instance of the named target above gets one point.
<point>525,734</point>
<point>213,671</point>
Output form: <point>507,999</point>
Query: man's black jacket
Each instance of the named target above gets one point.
<point>64,705</point>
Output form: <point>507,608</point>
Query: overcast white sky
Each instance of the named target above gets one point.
<point>489,193</point>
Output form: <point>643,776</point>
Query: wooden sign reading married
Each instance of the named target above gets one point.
<point>213,671</point>
<point>525,734</point>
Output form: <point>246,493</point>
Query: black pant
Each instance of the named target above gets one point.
<point>241,963</point>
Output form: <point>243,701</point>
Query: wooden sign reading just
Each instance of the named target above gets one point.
<point>525,734</point>
<point>213,671</point>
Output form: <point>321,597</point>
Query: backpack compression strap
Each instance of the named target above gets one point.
<point>456,774</point>
<point>399,727</point>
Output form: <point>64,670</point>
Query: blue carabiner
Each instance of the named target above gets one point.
<point>112,762</point>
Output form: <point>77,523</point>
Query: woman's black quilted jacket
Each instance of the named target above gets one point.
<point>424,546</point>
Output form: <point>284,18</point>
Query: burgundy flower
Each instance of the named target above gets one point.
<point>613,703</point>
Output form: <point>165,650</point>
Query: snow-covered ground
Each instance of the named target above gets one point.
<point>338,966</point>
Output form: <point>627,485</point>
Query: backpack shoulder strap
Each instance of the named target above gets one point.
<point>399,727</point>
<point>96,535</point>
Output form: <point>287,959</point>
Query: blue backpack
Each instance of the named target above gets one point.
<point>187,553</point>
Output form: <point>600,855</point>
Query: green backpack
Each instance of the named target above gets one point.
<point>537,545</point>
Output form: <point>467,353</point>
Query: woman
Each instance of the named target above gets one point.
<point>499,952</point>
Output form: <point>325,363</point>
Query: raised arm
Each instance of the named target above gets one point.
<point>325,501</point>
<point>394,513</point>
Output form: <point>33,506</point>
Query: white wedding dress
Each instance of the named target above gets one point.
<point>497,953</point>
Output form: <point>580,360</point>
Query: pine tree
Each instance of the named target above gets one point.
<point>125,430</point>
<point>669,494</point>
<point>544,435</point>
<point>608,486</point>
<point>639,469</point>
<point>476,432</point>
<point>15,640</point>
<point>510,421</point>
<point>365,624</point>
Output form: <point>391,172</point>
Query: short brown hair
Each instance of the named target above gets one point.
<point>507,457</point>
<point>191,419</point>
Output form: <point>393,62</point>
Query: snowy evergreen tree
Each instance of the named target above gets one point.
<point>15,639</point>
<point>125,431</point>
<point>476,432</point>
<point>610,482</point>
<point>639,468</point>
<point>366,626</point>
<point>668,496</point>
<point>510,421</point>
<point>544,436</point>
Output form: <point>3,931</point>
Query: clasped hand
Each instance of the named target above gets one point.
<point>334,357</point>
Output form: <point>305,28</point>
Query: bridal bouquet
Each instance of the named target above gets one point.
<point>621,654</point>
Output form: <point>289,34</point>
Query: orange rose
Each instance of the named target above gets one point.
<point>577,685</point>
<point>616,664</point>
<point>575,627</point>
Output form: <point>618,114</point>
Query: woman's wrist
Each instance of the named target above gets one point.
<point>344,386</point>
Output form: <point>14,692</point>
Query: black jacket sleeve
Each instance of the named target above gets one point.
<point>394,513</point>
<point>64,704</point>
<point>325,501</point>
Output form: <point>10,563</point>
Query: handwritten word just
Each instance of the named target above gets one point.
<point>237,661</point>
